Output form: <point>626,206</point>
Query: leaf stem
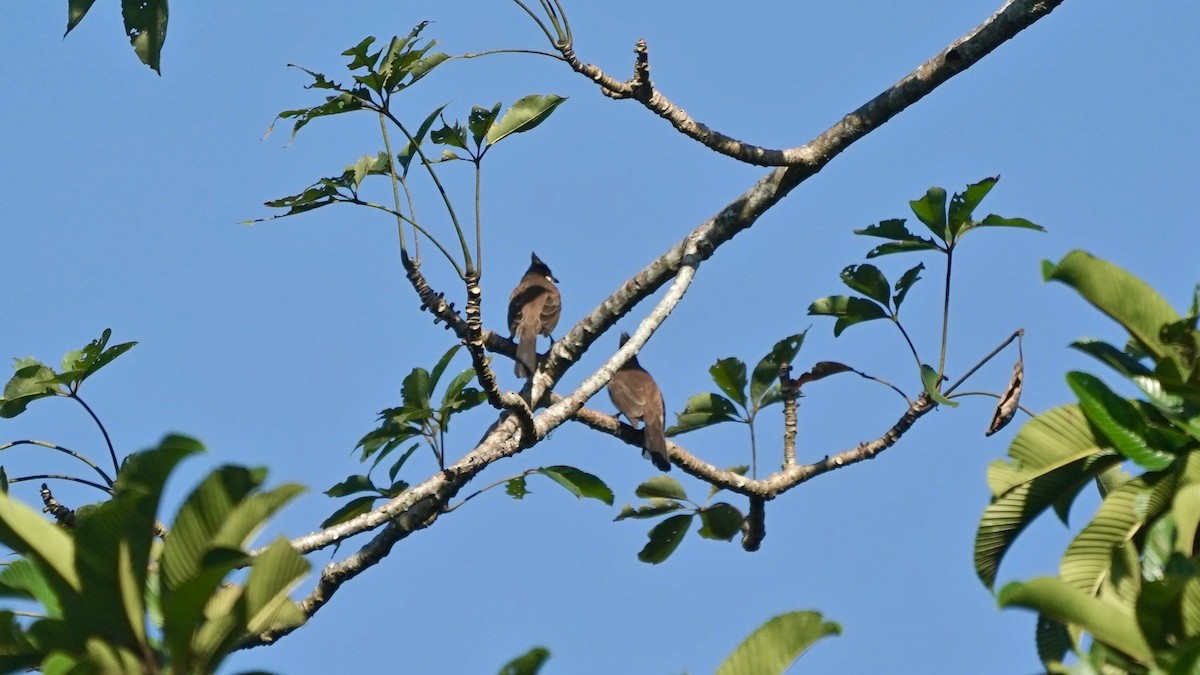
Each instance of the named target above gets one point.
<point>946,310</point>
<point>387,145</point>
<point>1016,334</point>
<point>73,479</point>
<point>107,441</point>
<point>59,448</point>
<point>502,481</point>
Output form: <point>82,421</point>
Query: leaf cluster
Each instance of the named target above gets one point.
<point>98,583</point>
<point>1131,577</point>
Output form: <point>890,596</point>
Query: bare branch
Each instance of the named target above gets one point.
<point>1015,16</point>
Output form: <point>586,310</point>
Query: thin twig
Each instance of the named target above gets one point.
<point>992,354</point>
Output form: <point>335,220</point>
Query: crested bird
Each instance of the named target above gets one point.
<point>533,309</point>
<point>638,398</point>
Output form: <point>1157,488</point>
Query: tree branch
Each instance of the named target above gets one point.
<point>1012,18</point>
<point>419,506</point>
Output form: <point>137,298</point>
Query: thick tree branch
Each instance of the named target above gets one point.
<point>1015,16</point>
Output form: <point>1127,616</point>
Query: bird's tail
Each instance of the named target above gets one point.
<point>526,350</point>
<point>654,443</point>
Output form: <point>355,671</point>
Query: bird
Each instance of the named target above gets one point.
<point>533,309</point>
<point>638,398</point>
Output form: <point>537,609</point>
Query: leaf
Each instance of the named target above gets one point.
<point>730,375</point>
<point>352,485</point>
<point>350,510</point>
<point>579,483</point>
<point>1119,421</point>
<point>1120,361</point>
<point>776,644</point>
<point>1053,640</point>
<point>931,380</point>
<point>656,507</point>
<point>146,26</point>
<point>1009,400</point>
<point>868,280</point>
<point>515,488</point>
<point>276,571</point>
<point>1120,295</point>
<point>703,410</point>
<point>529,663</point>
<point>406,154</point>
<point>996,221</point>
<point>665,537</point>
<point>720,521</point>
<point>1054,454</point>
<point>1087,560</point>
<point>892,229</point>
<point>902,247</point>
<point>22,578</point>
<point>76,10</point>
<point>1185,509</point>
<point>766,373</point>
<point>905,282</point>
<point>454,136</point>
<point>663,487</point>
<point>31,381</point>
<point>24,530</point>
<point>344,102</point>
<point>525,114</point>
<point>822,370</point>
<point>849,310</point>
<point>417,390</point>
<point>1059,601</point>
<point>441,366</point>
<point>931,210</point>
<point>480,121</point>
<point>962,206</point>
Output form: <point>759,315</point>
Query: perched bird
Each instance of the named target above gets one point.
<point>638,398</point>
<point>533,310</point>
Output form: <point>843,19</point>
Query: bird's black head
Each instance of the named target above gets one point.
<point>624,339</point>
<point>536,265</point>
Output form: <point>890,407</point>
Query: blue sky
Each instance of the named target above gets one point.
<point>277,344</point>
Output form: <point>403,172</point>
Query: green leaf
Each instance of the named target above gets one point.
<point>1053,640</point>
<point>146,26</point>
<point>776,644</point>
<point>276,571</point>
<point>441,366</point>
<point>996,221</point>
<point>703,410</point>
<point>1105,620</point>
<point>529,663</point>
<point>720,521</point>
<point>902,247</point>
<point>22,578</point>
<point>849,310</point>
<point>362,57</point>
<point>1117,293</point>
<point>480,121</point>
<point>344,102</point>
<point>868,280</point>
<point>352,485</point>
<point>932,382</point>
<point>1185,510</point>
<point>525,114</point>
<point>1088,559</point>
<point>25,531</point>
<point>1119,421</point>
<point>406,154</point>
<point>905,282</point>
<point>931,210</point>
<point>417,390</point>
<point>962,206</point>
<point>31,381</point>
<point>663,487</point>
<point>1054,454</point>
<point>766,373</point>
<point>351,509</point>
<point>453,136</point>
<point>515,488</point>
<point>1120,361</point>
<point>665,537</point>
<point>579,483</point>
<point>656,507</point>
<point>730,375</point>
<point>76,10</point>
<point>893,229</point>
